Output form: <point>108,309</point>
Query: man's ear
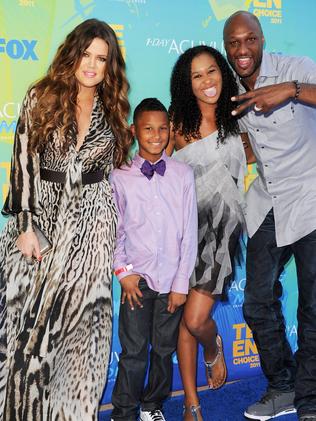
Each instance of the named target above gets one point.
<point>132,127</point>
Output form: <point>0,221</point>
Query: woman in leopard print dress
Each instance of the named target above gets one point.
<point>55,315</point>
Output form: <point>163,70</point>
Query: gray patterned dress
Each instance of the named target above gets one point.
<point>219,170</point>
<point>55,317</point>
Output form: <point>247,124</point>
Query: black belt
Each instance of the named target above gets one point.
<point>60,177</point>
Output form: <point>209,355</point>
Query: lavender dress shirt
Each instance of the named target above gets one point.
<point>157,224</point>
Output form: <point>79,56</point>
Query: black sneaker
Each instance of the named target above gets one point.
<point>307,417</point>
<point>272,404</point>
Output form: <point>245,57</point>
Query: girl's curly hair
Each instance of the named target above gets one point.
<point>57,92</point>
<point>184,111</point>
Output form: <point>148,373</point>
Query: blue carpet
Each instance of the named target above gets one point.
<point>225,404</point>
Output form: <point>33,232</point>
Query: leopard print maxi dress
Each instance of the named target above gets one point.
<point>55,316</point>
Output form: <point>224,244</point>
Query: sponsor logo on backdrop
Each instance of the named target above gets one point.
<point>7,128</point>
<point>18,49</point>
<point>113,366</point>
<point>251,175</point>
<point>222,9</point>
<point>9,113</point>
<point>5,168</point>
<point>236,292</point>
<point>291,331</point>
<point>118,29</point>
<point>27,3</point>
<point>84,9</point>
<point>10,110</point>
<point>175,46</point>
<point>129,2</point>
<point>271,9</point>
<point>244,347</point>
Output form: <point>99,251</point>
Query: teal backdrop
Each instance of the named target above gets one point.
<point>152,34</point>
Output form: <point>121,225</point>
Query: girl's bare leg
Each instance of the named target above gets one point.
<point>198,326</point>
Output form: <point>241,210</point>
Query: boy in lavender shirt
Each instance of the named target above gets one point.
<point>155,255</point>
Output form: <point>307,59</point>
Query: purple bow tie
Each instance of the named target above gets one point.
<point>148,169</point>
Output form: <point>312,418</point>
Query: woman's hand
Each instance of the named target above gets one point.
<point>28,245</point>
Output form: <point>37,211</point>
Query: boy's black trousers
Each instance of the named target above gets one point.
<point>152,324</point>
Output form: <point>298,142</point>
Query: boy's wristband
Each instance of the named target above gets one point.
<point>123,269</point>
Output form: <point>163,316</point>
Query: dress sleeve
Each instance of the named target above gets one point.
<point>23,197</point>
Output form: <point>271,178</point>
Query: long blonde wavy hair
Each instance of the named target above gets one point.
<point>57,92</point>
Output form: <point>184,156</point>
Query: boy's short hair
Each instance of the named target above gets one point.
<point>148,104</point>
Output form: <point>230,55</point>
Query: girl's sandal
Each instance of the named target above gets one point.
<point>219,359</point>
<point>192,413</point>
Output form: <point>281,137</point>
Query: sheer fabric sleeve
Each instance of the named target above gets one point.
<point>23,197</point>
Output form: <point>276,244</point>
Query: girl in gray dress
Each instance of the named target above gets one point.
<point>206,136</point>
<point>56,313</point>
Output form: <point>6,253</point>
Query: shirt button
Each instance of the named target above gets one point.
<point>257,130</point>
<point>157,213</point>
<point>274,197</point>
<point>77,159</point>
<point>270,182</point>
<point>156,197</point>
<point>262,147</point>
<point>266,165</point>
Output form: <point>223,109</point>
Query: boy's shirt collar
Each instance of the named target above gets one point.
<point>138,160</point>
